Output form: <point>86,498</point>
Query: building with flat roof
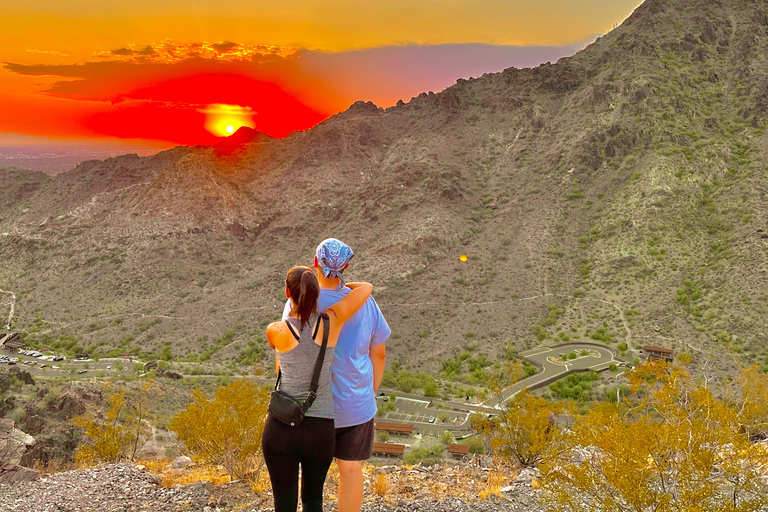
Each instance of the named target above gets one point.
<point>656,353</point>
<point>12,341</point>
<point>388,449</point>
<point>459,451</point>
<point>394,428</point>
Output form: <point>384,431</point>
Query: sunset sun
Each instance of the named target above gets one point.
<point>223,119</point>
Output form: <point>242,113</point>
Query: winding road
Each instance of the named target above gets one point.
<point>553,368</point>
<point>415,411</point>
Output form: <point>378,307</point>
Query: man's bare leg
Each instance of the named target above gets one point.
<point>350,485</point>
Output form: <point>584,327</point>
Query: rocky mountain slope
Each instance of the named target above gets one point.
<point>618,195</point>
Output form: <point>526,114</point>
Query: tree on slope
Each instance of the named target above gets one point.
<point>226,430</point>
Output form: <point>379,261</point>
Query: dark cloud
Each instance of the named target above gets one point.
<point>330,81</point>
<point>147,50</point>
<point>225,46</point>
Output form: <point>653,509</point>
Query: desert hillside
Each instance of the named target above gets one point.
<point>617,196</point>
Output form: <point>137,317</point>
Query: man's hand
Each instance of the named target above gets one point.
<point>378,355</point>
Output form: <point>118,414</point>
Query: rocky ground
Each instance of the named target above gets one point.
<point>125,487</point>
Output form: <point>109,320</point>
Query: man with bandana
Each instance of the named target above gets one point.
<point>358,367</point>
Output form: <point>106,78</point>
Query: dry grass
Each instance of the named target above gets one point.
<point>381,484</point>
<point>196,473</point>
<point>260,482</point>
<point>496,480</point>
<point>53,466</point>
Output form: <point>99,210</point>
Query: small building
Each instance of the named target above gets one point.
<point>388,449</point>
<point>459,451</point>
<point>394,428</point>
<point>656,353</point>
<point>12,341</point>
<point>82,355</point>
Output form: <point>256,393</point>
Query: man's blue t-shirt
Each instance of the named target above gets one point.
<point>354,401</point>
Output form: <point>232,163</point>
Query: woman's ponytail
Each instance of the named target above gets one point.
<point>304,289</point>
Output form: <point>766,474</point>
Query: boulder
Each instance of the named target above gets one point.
<point>70,406</point>
<point>13,473</point>
<point>23,375</point>
<point>181,462</point>
<point>34,424</point>
<point>7,405</point>
<point>13,442</point>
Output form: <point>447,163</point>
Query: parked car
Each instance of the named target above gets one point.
<point>82,370</point>
<point>109,367</point>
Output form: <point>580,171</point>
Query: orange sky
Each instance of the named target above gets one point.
<point>178,70</point>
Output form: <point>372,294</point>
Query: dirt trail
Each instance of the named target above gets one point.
<point>12,305</point>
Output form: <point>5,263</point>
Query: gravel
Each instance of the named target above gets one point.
<point>112,488</point>
<point>126,488</point>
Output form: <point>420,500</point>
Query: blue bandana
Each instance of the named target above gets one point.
<point>332,256</point>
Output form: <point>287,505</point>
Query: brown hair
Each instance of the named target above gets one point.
<point>304,289</point>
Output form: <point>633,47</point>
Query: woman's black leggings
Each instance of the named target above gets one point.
<point>311,445</point>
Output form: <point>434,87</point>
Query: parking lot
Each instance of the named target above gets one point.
<point>425,418</point>
<point>44,365</point>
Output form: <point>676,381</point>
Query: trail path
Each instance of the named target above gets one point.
<point>12,305</point>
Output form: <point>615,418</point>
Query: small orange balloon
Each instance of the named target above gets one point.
<point>463,258</point>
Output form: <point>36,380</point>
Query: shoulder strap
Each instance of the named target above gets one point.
<point>290,328</point>
<point>298,338</point>
<point>318,363</point>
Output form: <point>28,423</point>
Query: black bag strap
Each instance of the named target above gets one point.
<point>318,363</point>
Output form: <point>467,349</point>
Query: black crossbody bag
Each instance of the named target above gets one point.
<point>284,407</point>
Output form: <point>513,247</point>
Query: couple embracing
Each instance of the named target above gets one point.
<point>338,329</point>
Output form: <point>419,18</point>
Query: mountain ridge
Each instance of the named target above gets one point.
<point>628,176</point>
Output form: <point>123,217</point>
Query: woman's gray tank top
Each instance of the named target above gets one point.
<point>298,364</point>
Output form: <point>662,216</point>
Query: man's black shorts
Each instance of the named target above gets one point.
<point>355,442</point>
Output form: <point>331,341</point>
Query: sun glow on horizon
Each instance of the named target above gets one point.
<point>223,120</point>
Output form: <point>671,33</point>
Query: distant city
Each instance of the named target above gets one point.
<point>54,156</point>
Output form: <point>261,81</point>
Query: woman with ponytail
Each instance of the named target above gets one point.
<point>297,343</point>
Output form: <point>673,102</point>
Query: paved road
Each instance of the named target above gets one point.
<point>418,411</point>
<point>598,358</point>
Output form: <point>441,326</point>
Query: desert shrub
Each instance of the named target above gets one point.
<point>227,429</point>
<point>120,435</point>
<point>602,334</point>
<point>523,431</point>
<point>425,454</point>
<point>529,368</point>
<point>575,386</point>
<point>670,446</point>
